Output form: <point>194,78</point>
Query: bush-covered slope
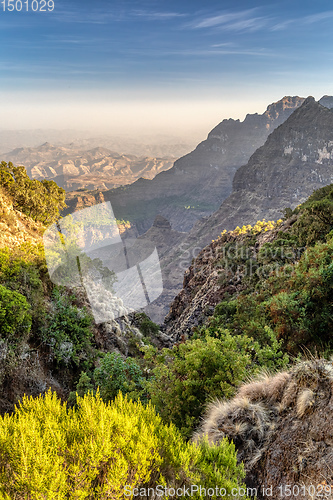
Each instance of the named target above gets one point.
<point>251,301</point>
<point>269,276</point>
<point>99,451</point>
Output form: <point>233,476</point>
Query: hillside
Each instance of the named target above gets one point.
<point>47,332</point>
<point>295,160</point>
<point>251,260</point>
<point>73,168</point>
<point>270,287</point>
<point>15,227</point>
<point>252,301</point>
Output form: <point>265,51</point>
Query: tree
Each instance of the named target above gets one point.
<point>40,200</point>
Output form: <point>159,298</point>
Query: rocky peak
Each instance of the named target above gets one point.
<point>327,101</point>
<point>47,147</point>
<point>280,108</point>
<point>275,114</point>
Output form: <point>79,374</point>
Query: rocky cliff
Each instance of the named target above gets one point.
<point>296,159</point>
<point>199,181</point>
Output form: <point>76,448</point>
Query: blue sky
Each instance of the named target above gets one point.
<point>159,65</point>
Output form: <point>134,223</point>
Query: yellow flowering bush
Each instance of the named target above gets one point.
<point>95,450</point>
<point>260,225</point>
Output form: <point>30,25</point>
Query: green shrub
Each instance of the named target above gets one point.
<point>97,450</point>
<point>146,325</point>
<point>68,330</point>
<point>188,376</point>
<point>302,311</point>
<point>40,200</point>
<point>118,374</point>
<point>315,217</point>
<point>24,270</point>
<point>114,374</point>
<point>15,318</point>
<point>294,304</point>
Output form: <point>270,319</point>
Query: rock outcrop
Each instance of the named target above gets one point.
<point>208,280</point>
<point>282,427</point>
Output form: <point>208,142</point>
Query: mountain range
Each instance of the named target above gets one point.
<point>296,159</point>
<point>198,182</point>
<point>95,169</point>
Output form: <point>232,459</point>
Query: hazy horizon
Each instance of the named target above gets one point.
<point>161,118</point>
<point>147,67</point>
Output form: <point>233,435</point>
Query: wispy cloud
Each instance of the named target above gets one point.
<point>72,16</point>
<point>157,16</point>
<point>218,20</point>
<point>97,16</point>
<point>282,26</point>
<point>197,52</point>
<point>321,16</point>
<point>302,21</point>
<point>225,44</point>
<point>232,21</point>
<point>248,20</point>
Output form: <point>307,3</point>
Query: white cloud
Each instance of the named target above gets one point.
<point>157,16</point>
<point>232,21</point>
<point>221,19</point>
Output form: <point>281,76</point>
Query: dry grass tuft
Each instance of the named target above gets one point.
<point>305,401</point>
<point>265,388</point>
<point>252,419</point>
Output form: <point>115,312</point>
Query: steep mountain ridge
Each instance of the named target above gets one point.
<point>199,181</point>
<point>296,159</point>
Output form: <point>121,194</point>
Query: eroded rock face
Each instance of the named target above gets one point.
<point>282,427</point>
<point>209,279</point>
<point>296,159</point>
<point>198,182</point>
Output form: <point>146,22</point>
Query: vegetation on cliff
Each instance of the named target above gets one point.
<point>109,434</point>
<point>40,200</point>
